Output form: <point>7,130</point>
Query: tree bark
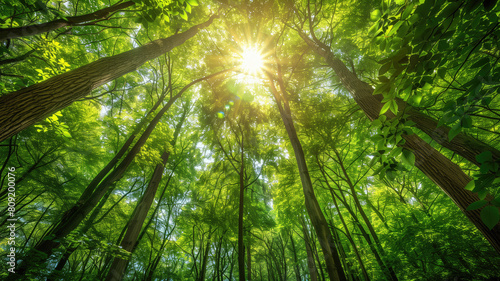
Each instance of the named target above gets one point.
<point>446,174</point>
<point>388,268</point>
<point>35,29</point>
<point>241,246</point>
<point>317,217</point>
<point>73,217</point>
<point>310,258</point>
<point>249,263</point>
<point>462,144</point>
<point>23,108</point>
<point>295,260</point>
<point>141,211</point>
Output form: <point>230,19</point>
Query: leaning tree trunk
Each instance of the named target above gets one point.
<point>35,29</point>
<point>446,174</point>
<point>462,144</point>
<point>73,217</point>
<point>129,241</point>
<point>318,220</point>
<point>313,274</point>
<point>134,227</point>
<point>23,108</point>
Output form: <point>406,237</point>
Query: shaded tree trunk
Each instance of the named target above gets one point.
<point>295,260</point>
<point>241,246</point>
<point>129,241</point>
<point>368,224</point>
<point>23,108</point>
<point>317,217</point>
<point>35,29</point>
<point>433,164</point>
<point>118,266</point>
<point>310,258</point>
<point>73,217</point>
<point>249,263</point>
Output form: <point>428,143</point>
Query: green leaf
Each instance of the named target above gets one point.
<point>470,186</point>
<point>496,202</point>
<point>480,63</point>
<point>193,3</point>
<point>183,15</point>
<point>384,68</point>
<point>482,194</point>
<point>454,131</point>
<point>408,157</point>
<point>476,205</point>
<point>490,216</point>
<point>375,15</point>
<point>484,156</point>
<point>466,121</point>
<point>386,107</point>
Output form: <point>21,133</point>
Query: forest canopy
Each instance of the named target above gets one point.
<point>249,140</point>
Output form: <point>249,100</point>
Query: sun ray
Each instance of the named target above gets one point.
<point>252,61</point>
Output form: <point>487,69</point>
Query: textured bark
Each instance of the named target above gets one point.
<point>463,145</point>
<point>134,228</point>
<point>73,217</point>
<point>23,108</point>
<point>318,220</point>
<point>446,174</point>
<point>30,30</point>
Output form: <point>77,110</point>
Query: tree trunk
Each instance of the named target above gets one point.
<point>249,263</point>
<point>310,258</point>
<point>23,108</point>
<point>134,228</point>
<point>30,30</point>
<point>73,217</point>
<point>317,217</point>
<point>433,164</point>
<point>463,145</point>
<point>241,246</point>
<point>389,270</point>
<point>295,260</point>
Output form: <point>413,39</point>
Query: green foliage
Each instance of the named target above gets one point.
<point>440,57</point>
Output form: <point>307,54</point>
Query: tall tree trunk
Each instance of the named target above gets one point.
<point>310,258</point>
<point>23,108</point>
<point>295,260</point>
<point>30,30</point>
<point>204,262</point>
<point>241,245</point>
<point>462,144</point>
<point>433,164</point>
<point>368,224</point>
<point>129,241</point>
<point>134,228</point>
<point>317,217</point>
<point>249,263</point>
<point>73,217</point>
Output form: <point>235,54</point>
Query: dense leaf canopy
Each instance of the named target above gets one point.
<point>249,140</point>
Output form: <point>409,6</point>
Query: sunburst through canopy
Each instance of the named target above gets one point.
<point>251,61</point>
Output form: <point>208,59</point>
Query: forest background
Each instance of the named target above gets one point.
<point>249,140</point>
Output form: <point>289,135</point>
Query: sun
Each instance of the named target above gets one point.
<point>251,61</point>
